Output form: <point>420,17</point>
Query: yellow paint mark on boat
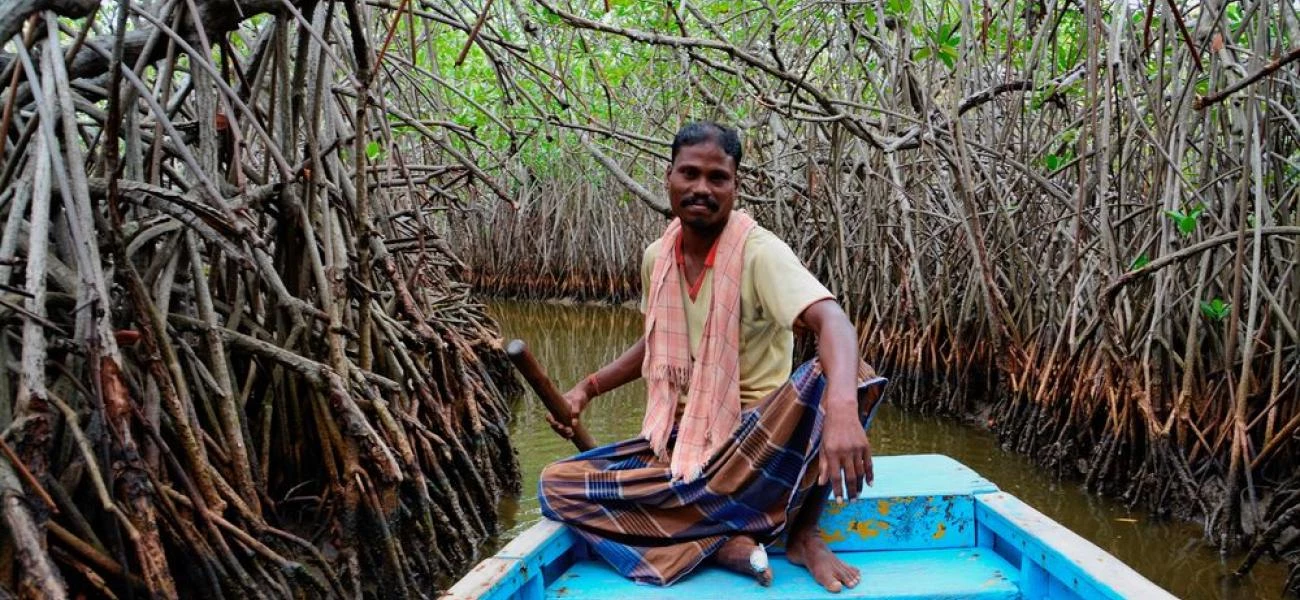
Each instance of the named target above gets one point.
<point>883,508</point>
<point>833,536</point>
<point>868,528</point>
<point>940,531</point>
<point>864,529</point>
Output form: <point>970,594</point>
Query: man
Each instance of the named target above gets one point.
<point>726,455</point>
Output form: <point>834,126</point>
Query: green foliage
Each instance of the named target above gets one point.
<point>1291,169</point>
<point>1202,86</point>
<point>1141,261</point>
<point>1233,15</point>
<point>941,43</point>
<point>1216,309</point>
<point>1057,161</point>
<point>898,8</point>
<point>1186,221</point>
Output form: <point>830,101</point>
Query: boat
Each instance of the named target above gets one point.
<point>930,527</point>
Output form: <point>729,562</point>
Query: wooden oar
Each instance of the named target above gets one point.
<point>532,371</point>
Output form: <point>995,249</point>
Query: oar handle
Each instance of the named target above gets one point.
<point>532,371</point>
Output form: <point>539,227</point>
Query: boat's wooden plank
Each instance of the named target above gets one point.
<point>899,523</point>
<point>917,502</point>
<point>546,538</point>
<point>1070,563</point>
<point>949,573</point>
<point>543,552</point>
<point>518,569</point>
<point>493,578</point>
<point>924,475</point>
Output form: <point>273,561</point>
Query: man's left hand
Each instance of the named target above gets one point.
<point>845,453</point>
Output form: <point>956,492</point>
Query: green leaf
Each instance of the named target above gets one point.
<point>921,53</point>
<point>948,55</point>
<point>1215,309</point>
<point>1203,86</point>
<point>1053,162</point>
<point>1186,222</point>
<point>950,35</point>
<point>1141,261</point>
<point>1234,15</point>
<point>1038,98</point>
<point>373,151</point>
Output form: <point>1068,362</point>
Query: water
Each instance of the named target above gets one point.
<point>572,341</point>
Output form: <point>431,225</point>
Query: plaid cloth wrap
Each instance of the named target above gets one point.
<point>653,529</point>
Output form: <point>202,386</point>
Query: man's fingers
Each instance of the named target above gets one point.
<point>836,467</point>
<point>563,430</point>
<point>823,472</point>
<point>852,479</point>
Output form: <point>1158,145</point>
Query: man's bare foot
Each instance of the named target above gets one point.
<point>806,548</point>
<point>737,554</point>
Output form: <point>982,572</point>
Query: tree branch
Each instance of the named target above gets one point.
<point>1203,101</point>
<point>631,184</point>
<point>14,12</point>
<point>1109,295</point>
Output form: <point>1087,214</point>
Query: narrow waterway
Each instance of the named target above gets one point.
<point>572,341</point>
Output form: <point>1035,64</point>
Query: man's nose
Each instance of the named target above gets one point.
<point>700,186</point>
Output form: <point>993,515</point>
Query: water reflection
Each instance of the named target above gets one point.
<point>572,341</point>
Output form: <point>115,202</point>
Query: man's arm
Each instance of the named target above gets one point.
<point>624,369</point>
<point>844,447</point>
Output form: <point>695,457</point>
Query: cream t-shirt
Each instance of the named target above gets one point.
<point>775,288</point>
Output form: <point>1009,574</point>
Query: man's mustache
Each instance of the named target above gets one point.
<point>704,201</point>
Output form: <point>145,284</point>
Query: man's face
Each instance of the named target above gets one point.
<point>702,187</point>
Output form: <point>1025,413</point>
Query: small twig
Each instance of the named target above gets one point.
<point>473,33</point>
<point>48,324</point>
<point>632,185</point>
<point>1187,36</point>
<point>388,39</point>
<point>87,454</point>
<point>95,557</point>
<point>1164,261</point>
<point>28,477</point>
<point>1203,101</point>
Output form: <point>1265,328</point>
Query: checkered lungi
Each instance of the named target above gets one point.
<point>622,500</point>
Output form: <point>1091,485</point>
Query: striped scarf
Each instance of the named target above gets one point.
<point>712,388</point>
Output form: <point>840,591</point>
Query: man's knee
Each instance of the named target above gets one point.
<point>554,477</point>
<point>546,478</point>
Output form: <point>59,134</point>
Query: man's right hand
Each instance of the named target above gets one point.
<point>575,400</point>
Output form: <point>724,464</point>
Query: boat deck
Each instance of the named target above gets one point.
<point>929,528</point>
<point>947,573</point>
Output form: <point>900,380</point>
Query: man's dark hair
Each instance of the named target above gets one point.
<point>708,131</point>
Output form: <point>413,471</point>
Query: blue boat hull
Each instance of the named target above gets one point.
<point>929,528</point>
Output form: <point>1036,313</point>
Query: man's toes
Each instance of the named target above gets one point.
<point>849,575</point>
<point>828,580</point>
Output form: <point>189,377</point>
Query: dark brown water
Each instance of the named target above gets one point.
<point>572,341</point>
